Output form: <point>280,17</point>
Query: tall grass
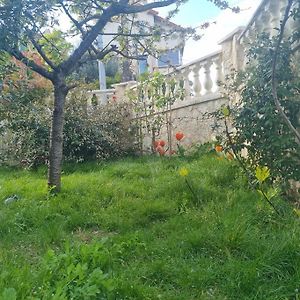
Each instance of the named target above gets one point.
<point>151,240</point>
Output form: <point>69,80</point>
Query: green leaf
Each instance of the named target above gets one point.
<point>225,111</point>
<point>297,212</point>
<point>262,173</point>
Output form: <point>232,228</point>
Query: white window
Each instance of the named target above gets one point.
<point>170,58</point>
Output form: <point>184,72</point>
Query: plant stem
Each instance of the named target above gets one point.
<point>192,190</point>
<point>268,200</point>
<point>235,153</point>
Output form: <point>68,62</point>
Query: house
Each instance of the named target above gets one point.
<point>168,49</point>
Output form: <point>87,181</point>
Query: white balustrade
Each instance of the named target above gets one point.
<point>275,9</point>
<point>99,97</point>
<point>208,84</point>
<point>200,78</point>
<point>197,84</point>
<point>267,19</point>
<point>186,82</point>
<point>219,68</point>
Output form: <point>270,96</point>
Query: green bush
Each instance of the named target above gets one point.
<point>90,133</point>
<point>98,132</point>
<point>259,128</point>
<point>24,126</point>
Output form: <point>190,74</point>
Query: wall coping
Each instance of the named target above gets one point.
<point>255,15</point>
<point>201,59</point>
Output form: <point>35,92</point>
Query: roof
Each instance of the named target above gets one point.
<point>152,12</point>
<point>166,21</point>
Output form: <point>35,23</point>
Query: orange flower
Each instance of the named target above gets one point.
<point>219,148</point>
<point>179,136</point>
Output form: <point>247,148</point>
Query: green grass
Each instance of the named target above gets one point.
<point>131,230</point>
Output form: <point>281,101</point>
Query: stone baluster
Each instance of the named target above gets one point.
<point>293,25</point>
<point>246,41</point>
<point>274,8</point>
<point>251,33</point>
<point>197,84</point>
<point>175,78</point>
<point>208,83</point>
<point>266,20</point>
<point>258,23</point>
<point>145,95</point>
<point>219,68</point>
<point>186,82</point>
<point>287,29</point>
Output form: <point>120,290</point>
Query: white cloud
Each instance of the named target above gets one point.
<point>226,22</point>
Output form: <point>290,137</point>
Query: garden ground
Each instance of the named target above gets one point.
<point>131,229</point>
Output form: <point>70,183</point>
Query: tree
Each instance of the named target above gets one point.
<point>26,24</point>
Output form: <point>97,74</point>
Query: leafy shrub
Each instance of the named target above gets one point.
<point>24,126</point>
<point>96,133</point>
<point>259,128</point>
<point>99,132</point>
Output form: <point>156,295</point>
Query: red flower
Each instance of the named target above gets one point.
<point>162,143</point>
<point>179,136</point>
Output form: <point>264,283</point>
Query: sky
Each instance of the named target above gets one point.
<point>196,12</point>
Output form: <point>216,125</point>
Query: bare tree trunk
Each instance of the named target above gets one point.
<point>56,138</point>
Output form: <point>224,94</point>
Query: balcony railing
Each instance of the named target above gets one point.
<point>200,77</point>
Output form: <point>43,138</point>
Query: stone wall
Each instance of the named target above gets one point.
<point>193,120</point>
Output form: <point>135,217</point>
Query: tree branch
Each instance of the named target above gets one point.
<point>98,56</point>
<point>135,57</point>
<point>132,9</point>
<point>76,23</point>
<point>68,65</point>
<point>113,10</point>
<point>39,49</point>
<point>31,64</point>
<point>87,19</point>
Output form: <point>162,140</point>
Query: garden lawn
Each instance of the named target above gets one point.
<point>131,229</point>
